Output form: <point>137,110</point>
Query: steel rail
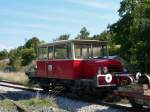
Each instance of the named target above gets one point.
<point>19,107</point>
<point>69,95</point>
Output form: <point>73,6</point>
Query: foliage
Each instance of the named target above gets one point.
<point>24,55</point>
<point>104,36</point>
<point>107,36</point>
<point>3,54</point>
<point>28,55</point>
<point>7,106</point>
<point>15,59</point>
<point>63,37</point>
<point>132,32</point>
<point>84,34</point>
<point>32,43</point>
<point>48,102</point>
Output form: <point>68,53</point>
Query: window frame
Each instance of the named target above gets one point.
<point>89,51</point>
<point>71,51</point>
<point>92,45</point>
<point>52,52</point>
<point>42,53</point>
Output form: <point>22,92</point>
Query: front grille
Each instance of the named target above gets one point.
<point>114,68</point>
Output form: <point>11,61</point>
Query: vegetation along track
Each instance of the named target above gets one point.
<point>62,93</point>
<point>19,107</point>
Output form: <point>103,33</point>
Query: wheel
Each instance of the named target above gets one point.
<point>135,105</point>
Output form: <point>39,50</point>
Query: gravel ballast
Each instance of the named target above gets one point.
<point>61,102</point>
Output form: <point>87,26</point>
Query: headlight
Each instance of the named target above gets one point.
<point>108,78</point>
<point>105,70</point>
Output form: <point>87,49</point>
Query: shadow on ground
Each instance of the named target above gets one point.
<point>69,104</point>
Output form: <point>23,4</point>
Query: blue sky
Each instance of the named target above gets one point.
<point>47,19</point>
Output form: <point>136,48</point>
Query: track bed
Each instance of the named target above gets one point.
<point>138,95</point>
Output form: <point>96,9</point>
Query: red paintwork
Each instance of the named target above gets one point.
<point>73,69</point>
<point>78,69</point>
<point>103,82</point>
<point>62,69</point>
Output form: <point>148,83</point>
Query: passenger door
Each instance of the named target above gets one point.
<point>50,66</point>
<point>42,62</point>
<point>63,65</point>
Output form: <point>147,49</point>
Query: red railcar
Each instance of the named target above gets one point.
<point>78,63</point>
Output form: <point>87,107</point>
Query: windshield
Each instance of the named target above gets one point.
<point>87,51</point>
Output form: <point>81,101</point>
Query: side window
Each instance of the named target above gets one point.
<point>96,51</point>
<point>62,51</point>
<point>83,51</point>
<point>50,52</point>
<point>40,53</point>
<point>43,53</point>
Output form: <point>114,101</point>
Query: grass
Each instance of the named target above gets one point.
<point>38,104</point>
<point>41,102</point>
<point>6,104</point>
<point>16,77</point>
<point>21,78</point>
<point>29,104</point>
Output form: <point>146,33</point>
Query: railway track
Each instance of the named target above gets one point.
<point>68,95</point>
<point>19,107</point>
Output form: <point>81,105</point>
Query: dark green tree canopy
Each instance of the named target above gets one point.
<point>132,32</point>
<point>24,55</point>
<point>32,43</point>
<point>104,36</point>
<point>3,54</point>
<point>28,55</point>
<point>84,34</point>
<point>63,37</point>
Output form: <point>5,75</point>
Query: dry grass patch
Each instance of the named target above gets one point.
<point>16,77</point>
<point>49,102</point>
<point>39,104</point>
<point>7,106</point>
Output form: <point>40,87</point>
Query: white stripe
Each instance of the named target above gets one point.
<point>107,85</point>
<point>122,74</point>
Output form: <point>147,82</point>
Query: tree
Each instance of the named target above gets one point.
<point>132,32</point>
<point>29,50</point>
<point>28,55</point>
<point>104,36</point>
<point>3,54</point>
<point>84,34</point>
<point>32,43</point>
<point>15,59</point>
<point>63,37</point>
<point>140,34</point>
<point>24,55</point>
<point>107,36</point>
<point>122,27</point>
